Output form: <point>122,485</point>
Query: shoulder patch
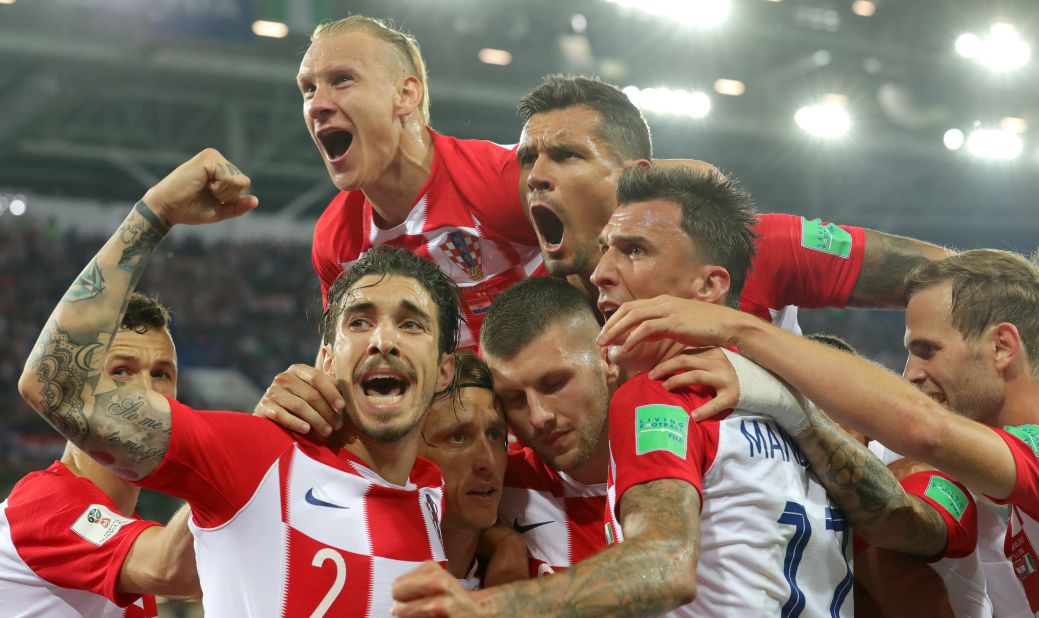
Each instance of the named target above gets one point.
<point>1029,434</point>
<point>661,427</point>
<point>99,523</point>
<point>828,238</point>
<point>948,495</point>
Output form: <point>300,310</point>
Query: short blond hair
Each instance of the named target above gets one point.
<point>404,44</point>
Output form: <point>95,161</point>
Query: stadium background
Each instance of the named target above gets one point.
<point>908,116</point>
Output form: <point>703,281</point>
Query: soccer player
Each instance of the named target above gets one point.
<point>465,434</point>
<point>973,338</point>
<point>70,544</point>
<point>452,201</point>
<point>282,526</point>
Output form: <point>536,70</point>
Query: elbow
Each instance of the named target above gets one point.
<point>679,574</point>
<point>177,579</point>
<point>30,389</point>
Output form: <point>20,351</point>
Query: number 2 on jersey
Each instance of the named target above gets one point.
<point>795,515</point>
<point>323,555</point>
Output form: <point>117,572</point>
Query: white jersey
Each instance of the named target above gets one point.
<point>965,578</point>
<point>771,543</point>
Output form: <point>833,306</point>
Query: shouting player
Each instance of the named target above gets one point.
<point>282,526</point>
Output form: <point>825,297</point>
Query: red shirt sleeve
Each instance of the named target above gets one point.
<point>216,460</point>
<point>70,533</point>
<point>1023,441</point>
<point>323,249</point>
<point>954,503</point>
<point>808,263</point>
<point>652,437</point>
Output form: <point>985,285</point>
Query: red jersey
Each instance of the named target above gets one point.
<point>62,545</point>
<point>801,262</point>
<point>1022,536</point>
<point>468,220</point>
<point>286,527</point>
<point>561,519</point>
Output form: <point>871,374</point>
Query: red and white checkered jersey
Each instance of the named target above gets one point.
<point>468,220</point>
<point>62,545</point>
<point>561,519</point>
<point>287,527</point>
<point>1022,536</point>
<point>801,263</point>
<point>961,567</point>
<point>771,544</point>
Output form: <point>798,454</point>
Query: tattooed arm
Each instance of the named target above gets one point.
<point>887,260</point>
<point>871,498</point>
<point>652,571</point>
<point>123,426</point>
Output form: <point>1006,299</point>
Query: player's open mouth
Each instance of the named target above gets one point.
<point>483,493</point>
<point>384,388</point>
<point>549,226</point>
<point>335,142</point>
<point>607,309</point>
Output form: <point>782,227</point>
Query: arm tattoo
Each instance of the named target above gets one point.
<point>872,499</point>
<point>643,576</point>
<point>885,264</point>
<point>64,377</point>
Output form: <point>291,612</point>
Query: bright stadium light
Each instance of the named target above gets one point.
<point>953,139</point>
<point>17,206</point>
<point>272,29</point>
<point>729,87</point>
<point>825,120</point>
<point>1013,124</point>
<point>1002,49</point>
<point>500,57</point>
<point>863,8</point>
<point>696,13</point>
<point>994,144</point>
<point>670,102</point>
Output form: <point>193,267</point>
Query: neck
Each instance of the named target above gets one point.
<point>394,193</point>
<point>460,549</point>
<point>392,461</point>
<point>1019,405</point>
<point>122,493</point>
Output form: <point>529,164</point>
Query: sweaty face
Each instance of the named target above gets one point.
<point>385,356</point>
<point>556,394</point>
<point>570,176</point>
<point>951,370</point>
<point>147,358</point>
<point>645,253</point>
<point>466,438</point>
<point>351,105</point>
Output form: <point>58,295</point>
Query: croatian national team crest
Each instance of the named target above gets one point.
<point>464,251</point>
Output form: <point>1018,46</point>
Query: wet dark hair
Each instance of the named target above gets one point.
<point>621,124</point>
<point>384,261</point>
<point>522,313</point>
<point>144,313</point>
<point>716,213</point>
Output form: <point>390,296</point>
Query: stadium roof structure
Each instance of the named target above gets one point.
<point>102,97</point>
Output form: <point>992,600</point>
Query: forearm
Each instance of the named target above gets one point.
<point>162,561</point>
<point>888,259</point>
<point>871,498</point>
<point>64,377</point>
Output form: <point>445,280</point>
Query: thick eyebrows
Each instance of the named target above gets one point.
<point>413,309</point>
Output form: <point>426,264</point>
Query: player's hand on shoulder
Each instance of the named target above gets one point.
<point>708,367</point>
<point>430,591</point>
<point>205,189</point>
<point>303,398</point>
<point>686,321</point>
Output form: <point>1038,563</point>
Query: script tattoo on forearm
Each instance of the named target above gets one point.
<point>633,578</point>
<point>68,358</point>
<point>874,502</point>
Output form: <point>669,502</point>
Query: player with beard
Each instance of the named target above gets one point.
<point>972,331</point>
<point>658,241</point>
<point>282,526</point>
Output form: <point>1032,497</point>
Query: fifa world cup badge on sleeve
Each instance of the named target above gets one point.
<point>827,238</point>
<point>660,427</point>
<point>98,524</point>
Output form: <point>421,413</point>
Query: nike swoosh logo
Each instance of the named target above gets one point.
<point>319,502</point>
<point>518,527</point>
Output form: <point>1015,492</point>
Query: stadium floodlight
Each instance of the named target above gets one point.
<point>730,87</point>
<point>953,139</point>
<point>1013,124</point>
<point>500,57</point>
<point>826,120</point>
<point>696,13</point>
<point>272,29</point>
<point>1002,49</point>
<point>579,23</point>
<point>863,8</point>
<point>669,101</point>
<point>17,205</point>
<point>994,144</point>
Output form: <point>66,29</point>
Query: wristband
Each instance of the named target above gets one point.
<point>763,393</point>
